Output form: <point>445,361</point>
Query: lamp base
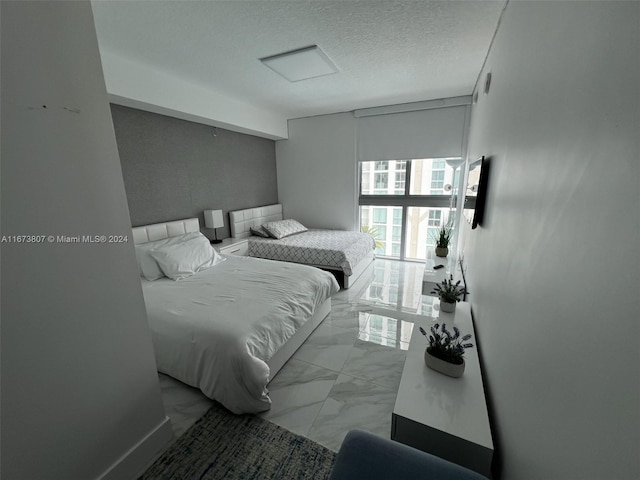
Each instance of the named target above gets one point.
<point>216,241</point>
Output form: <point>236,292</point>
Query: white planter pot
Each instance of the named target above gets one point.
<point>447,307</point>
<point>446,368</point>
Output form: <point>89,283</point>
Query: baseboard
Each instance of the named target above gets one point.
<point>133,463</point>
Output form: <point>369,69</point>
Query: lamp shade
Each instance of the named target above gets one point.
<point>213,219</point>
<point>454,162</point>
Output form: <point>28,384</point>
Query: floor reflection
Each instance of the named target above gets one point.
<point>386,331</point>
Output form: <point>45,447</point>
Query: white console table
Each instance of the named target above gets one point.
<point>442,415</point>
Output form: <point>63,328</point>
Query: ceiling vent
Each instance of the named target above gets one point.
<point>301,64</point>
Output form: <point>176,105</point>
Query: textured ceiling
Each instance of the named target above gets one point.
<point>388,52</point>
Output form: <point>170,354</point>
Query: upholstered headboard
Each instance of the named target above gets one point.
<point>242,220</point>
<point>158,231</point>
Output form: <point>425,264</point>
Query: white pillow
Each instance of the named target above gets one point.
<point>181,260</point>
<point>259,231</point>
<point>284,228</point>
<point>147,265</point>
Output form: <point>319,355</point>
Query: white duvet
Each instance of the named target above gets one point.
<point>216,329</point>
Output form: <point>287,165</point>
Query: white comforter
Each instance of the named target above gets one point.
<point>216,329</point>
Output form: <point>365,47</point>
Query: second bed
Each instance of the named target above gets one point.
<point>347,253</point>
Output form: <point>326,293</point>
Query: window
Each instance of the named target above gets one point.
<point>366,183</point>
<point>428,177</point>
<point>381,180</point>
<point>396,234</point>
<point>410,200</point>
<point>397,216</point>
<point>382,165</point>
<point>423,227</point>
<point>434,218</point>
<point>364,216</point>
<point>383,177</point>
<point>380,215</point>
<point>437,179</point>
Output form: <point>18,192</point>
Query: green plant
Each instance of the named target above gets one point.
<point>448,291</point>
<point>373,232</point>
<point>444,236</point>
<point>446,346</point>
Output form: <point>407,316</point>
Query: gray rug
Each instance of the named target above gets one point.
<point>222,445</point>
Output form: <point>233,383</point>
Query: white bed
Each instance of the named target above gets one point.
<point>349,254</point>
<point>228,329</point>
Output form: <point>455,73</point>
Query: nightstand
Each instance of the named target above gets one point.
<point>233,246</point>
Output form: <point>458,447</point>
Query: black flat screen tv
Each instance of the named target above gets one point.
<point>476,196</point>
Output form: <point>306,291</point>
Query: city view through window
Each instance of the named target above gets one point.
<point>403,203</point>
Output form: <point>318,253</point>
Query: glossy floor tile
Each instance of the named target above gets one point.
<point>346,374</point>
<point>297,395</point>
<point>328,346</point>
<point>353,403</point>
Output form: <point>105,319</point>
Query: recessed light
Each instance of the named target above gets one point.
<point>301,64</point>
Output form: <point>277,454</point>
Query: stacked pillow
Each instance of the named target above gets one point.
<point>176,257</point>
<point>279,229</point>
<point>259,231</point>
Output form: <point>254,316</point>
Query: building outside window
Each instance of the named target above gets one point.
<point>380,216</point>
<point>400,182</point>
<point>381,181</point>
<point>434,218</point>
<point>437,181</point>
<point>396,235</point>
<point>412,208</point>
<point>397,216</point>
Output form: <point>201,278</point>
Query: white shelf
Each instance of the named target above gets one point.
<point>442,415</point>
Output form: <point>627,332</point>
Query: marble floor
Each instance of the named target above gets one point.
<point>346,375</point>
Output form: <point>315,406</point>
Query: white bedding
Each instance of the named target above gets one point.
<point>216,329</point>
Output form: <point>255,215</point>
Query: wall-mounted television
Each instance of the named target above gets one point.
<point>476,195</point>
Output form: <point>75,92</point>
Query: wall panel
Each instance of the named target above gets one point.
<point>174,168</point>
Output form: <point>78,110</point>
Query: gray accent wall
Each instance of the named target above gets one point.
<point>176,169</point>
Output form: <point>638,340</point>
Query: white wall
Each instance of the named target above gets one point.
<point>554,274</point>
<point>80,394</point>
<point>133,84</point>
<point>317,171</point>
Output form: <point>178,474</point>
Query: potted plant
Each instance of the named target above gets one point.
<point>445,352</point>
<point>449,294</point>
<point>373,231</point>
<point>442,240</point>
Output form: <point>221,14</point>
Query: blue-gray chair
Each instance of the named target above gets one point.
<point>367,456</point>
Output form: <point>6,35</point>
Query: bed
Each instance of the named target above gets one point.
<point>348,254</point>
<point>228,328</point>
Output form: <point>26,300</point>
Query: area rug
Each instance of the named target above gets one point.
<point>222,445</point>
